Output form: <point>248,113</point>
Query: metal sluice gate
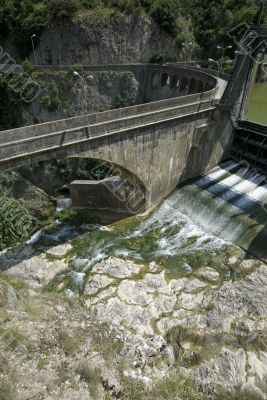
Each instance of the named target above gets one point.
<point>250,145</point>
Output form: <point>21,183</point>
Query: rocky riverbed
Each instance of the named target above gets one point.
<point>209,322</point>
<point>166,302</point>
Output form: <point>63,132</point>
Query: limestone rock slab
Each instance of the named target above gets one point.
<point>210,274</point>
<point>37,271</point>
<point>117,268</point>
<point>96,283</point>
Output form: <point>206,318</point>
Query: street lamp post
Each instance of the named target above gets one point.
<point>76,74</point>
<point>33,48</point>
<point>223,49</point>
<point>186,45</point>
<point>218,67</point>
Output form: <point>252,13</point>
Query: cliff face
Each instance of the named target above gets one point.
<point>120,39</point>
<point>63,95</point>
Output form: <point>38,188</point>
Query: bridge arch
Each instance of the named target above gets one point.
<point>164,79</point>
<point>184,84</point>
<point>174,81</point>
<point>119,189</point>
<point>155,80</point>
<point>200,86</point>
<point>192,86</point>
<point>207,86</point>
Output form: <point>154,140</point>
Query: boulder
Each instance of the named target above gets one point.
<point>117,268</point>
<point>209,274</point>
<point>37,271</point>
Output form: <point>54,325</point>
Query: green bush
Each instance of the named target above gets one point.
<point>76,67</point>
<point>157,59</point>
<point>165,13</point>
<point>8,179</point>
<point>121,101</point>
<point>15,222</point>
<point>52,100</point>
<point>28,66</point>
<point>62,8</point>
<point>209,20</point>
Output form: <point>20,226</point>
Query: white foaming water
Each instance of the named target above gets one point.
<point>78,278</point>
<point>246,187</point>
<point>175,230</point>
<point>206,214</point>
<point>35,237</point>
<point>63,204</point>
<point>224,206</point>
<point>234,207</point>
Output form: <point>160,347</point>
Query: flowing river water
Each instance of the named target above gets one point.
<point>178,286</point>
<point>198,225</point>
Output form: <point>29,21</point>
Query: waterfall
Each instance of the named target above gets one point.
<point>63,204</point>
<point>230,202</point>
<point>193,227</point>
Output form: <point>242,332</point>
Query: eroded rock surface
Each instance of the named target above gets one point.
<point>214,329</point>
<point>39,270</point>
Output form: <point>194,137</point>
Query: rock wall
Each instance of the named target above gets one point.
<point>65,96</point>
<point>121,39</point>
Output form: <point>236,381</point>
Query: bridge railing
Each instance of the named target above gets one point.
<point>198,66</point>
<point>127,112</point>
<point>13,152</point>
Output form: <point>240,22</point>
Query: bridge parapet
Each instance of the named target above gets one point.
<point>157,144</point>
<point>206,93</point>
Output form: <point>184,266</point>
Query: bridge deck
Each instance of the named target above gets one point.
<point>67,137</point>
<point>16,151</point>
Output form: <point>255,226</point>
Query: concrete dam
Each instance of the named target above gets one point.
<point>191,123</point>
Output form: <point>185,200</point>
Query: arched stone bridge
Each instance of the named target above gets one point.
<point>155,145</point>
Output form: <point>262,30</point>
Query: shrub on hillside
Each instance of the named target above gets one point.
<point>62,8</point>
<point>15,221</point>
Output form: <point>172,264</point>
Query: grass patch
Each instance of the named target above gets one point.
<point>11,339</point>
<point>98,15</point>
<point>239,395</point>
<point>42,363</point>
<point>92,376</point>
<point>4,364</point>
<point>16,283</point>
<point>7,390</point>
<point>3,316</point>
<point>69,344</point>
<point>174,387</point>
<point>34,311</point>
<point>108,347</point>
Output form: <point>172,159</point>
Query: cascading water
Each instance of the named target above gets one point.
<point>194,227</point>
<point>63,204</point>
